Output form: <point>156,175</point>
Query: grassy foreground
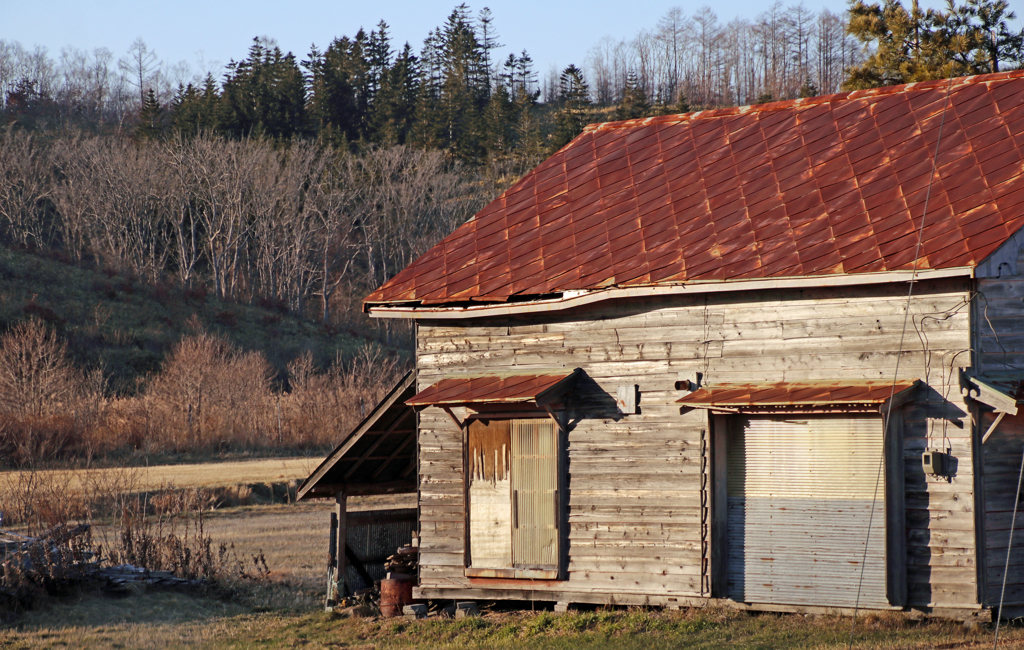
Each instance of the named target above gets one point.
<point>284,612</point>
<point>171,620</point>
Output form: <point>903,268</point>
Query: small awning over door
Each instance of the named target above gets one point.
<point>539,389</point>
<point>377,457</point>
<point>847,396</point>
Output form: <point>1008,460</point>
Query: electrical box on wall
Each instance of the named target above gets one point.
<point>935,462</point>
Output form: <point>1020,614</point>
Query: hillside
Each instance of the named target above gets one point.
<point>126,327</point>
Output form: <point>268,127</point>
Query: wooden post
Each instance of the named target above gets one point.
<point>340,541</point>
<point>332,559</point>
<point>980,506</point>
<point>895,510</point>
<point>719,494</point>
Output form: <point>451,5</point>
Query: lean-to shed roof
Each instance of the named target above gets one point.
<point>812,187</point>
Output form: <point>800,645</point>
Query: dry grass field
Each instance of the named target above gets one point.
<point>199,475</point>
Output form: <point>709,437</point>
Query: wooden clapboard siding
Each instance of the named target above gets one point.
<point>633,503</point>
<point>1001,462</point>
<point>999,314</point>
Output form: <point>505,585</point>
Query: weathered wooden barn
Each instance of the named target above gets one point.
<point>767,356</point>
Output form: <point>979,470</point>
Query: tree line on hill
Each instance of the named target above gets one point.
<point>308,183</point>
<point>457,95</point>
<point>306,227</point>
<point>305,184</point>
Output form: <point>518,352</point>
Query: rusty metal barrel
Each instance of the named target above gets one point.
<point>394,595</point>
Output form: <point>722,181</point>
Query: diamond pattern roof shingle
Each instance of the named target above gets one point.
<point>492,389</point>
<point>827,185</point>
<point>809,393</point>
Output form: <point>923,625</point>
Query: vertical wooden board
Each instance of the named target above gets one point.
<point>439,437</point>
<point>719,506</point>
<point>1003,454</point>
<point>895,511</point>
<point>490,494</point>
<point>341,512</point>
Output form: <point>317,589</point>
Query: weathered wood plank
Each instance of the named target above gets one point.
<point>633,488</point>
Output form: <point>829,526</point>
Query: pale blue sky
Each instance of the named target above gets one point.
<point>554,33</point>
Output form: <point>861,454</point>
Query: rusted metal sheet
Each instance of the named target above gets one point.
<point>819,186</point>
<point>846,394</point>
<point>540,389</point>
<point>800,495</point>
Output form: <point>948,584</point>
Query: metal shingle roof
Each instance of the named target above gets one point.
<point>495,390</point>
<point>810,394</point>
<point>820,186</point>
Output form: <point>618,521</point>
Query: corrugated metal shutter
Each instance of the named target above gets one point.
<point>800,496</point>
<point>534,494</point>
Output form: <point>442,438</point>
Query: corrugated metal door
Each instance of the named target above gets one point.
<point>534,495</point>
<point>800,497</point>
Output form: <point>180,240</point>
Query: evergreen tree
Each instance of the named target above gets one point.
<point>340,89</point>
<point>910,46</point>
<point>808,89</point>
<point>264,93</point>
<point>574,106</point>
<point>981,36</point>
<point>428,127</point>
<point>499,122</point>
<point>463,92</point>
<point>634,103</point>
<point>151,117</point>
<point>194,110</point>
<point>488,43</point>
<point>378,59</point>
<point>915,45</point>
<point>394,109</point>
<point>525,79</point>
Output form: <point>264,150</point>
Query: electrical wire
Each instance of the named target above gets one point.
<point>1009,546</point>
<point>896,372</point>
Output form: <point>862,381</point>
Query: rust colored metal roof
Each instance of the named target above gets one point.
<point>541,389</point>
<point>819,186</point>
<point>840,395</point>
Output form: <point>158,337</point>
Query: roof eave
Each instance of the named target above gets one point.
<point>573,299</point>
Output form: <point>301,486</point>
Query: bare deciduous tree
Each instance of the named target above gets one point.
<point>24,183</point>
<point>36,377</point>
<point>139,67</point>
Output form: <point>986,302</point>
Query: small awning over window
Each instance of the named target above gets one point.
<point>540,389</point>
<point>803,397</point>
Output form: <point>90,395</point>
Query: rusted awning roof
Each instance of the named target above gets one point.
<point>377,457</point>
<point>848,395</point>
<point>807,188</point>
<point>539,389</point>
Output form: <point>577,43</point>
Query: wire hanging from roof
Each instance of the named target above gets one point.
<point>899,355</point>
